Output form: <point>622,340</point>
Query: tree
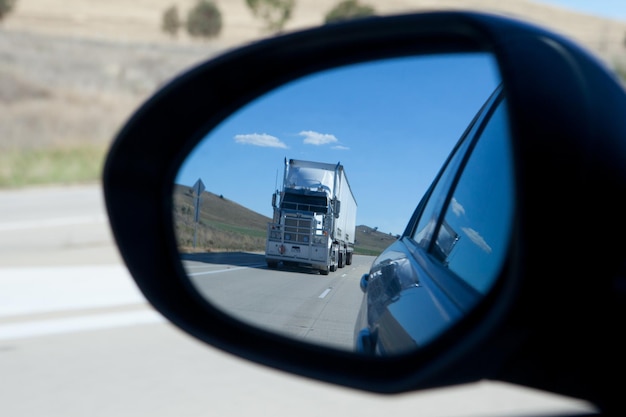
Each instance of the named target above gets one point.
<point>274,13</point>
<point>171,21</point>
<point>6,7</point>
<point>204,20</point>
<point>348,9</point>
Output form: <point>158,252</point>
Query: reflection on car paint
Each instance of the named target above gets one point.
<point>418,288</point>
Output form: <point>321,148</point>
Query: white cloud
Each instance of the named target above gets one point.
<point>316,138</point>
<point>477,239</point>
<point>264,140</point>
<point>341,148</point>
<point>457,208</point>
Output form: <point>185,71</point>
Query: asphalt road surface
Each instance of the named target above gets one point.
<point>78,339</point>
<point>292,301</point>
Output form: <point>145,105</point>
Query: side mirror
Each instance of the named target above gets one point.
<point>337,208</point>
<point>562,266</point>
<point>363,282</point>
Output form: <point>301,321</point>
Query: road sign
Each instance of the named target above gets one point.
<point>198,187</point>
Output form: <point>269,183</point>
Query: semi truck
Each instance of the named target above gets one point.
<point>314,220</point>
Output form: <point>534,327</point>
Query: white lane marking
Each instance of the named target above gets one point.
<point>225,270</point>
<point>59,222</point>
<point>325,293</point>
<point>77,324</point>
<point>43,289</point>
<point>190,267</point>
<point>68,289</point>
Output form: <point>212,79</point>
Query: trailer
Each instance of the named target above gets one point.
<point>314,220</point>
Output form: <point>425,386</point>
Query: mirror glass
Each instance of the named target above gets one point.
<point>357,146</point>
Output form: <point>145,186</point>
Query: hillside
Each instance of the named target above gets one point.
<point>370,241</point>
<point>139,20</point>
<point>223,224</point>
<point>227,226</point>
<point>72,71</point>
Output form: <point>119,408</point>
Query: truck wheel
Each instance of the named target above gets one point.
<point>349,258</point>
<point>272,264</point>
<point>340,262</point>
<point>332,268</point>
<point>324,271</point>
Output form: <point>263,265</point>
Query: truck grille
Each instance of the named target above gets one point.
<point>297,229</point>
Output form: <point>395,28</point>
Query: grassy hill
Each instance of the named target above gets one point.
<point>73,71</point>
<point>223,224</point>
<point>227,226</point>
<point>370,241</point>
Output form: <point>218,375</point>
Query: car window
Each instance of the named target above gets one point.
<point>428,218</point>
<point>473,237</point>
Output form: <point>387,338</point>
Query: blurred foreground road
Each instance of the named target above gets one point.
<point>78,339</point>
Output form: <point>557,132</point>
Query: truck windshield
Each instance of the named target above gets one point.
<point>301,202</point>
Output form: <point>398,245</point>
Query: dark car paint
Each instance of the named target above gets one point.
<point>411,296</point>
<point>403,306</point>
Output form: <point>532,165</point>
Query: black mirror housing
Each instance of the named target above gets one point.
<point>562,292</point>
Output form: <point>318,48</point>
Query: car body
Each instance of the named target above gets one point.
<point>452,249</point>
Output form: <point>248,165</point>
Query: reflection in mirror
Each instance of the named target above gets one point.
<point>282,208</point>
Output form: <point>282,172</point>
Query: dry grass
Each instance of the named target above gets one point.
<point>369,241</point>
<point>223,224</point>
<point>72,71</point>
<point>62,93</point>
<point>58,165</point>
<point>227,226</point>
<point>139,20</point>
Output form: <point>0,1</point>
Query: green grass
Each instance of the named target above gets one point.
<point>70,165</point>
<point>236,229</point>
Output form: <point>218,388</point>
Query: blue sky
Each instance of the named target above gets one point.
<point>391,124</point>
<point>615,9</point>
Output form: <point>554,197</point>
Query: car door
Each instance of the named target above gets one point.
<point>452,249</point>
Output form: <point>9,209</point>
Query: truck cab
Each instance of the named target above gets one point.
<point>309,224</point>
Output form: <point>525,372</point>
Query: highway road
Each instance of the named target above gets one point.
<point>78,339</point>
<point>295,302</point>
